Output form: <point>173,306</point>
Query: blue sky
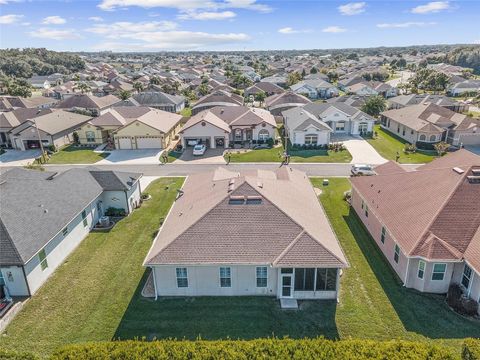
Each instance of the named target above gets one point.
<point>155,25</point>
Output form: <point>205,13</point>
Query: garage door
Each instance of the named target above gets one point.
<point>470,139</point>
<point>149,142</point>
<point>125,143</point>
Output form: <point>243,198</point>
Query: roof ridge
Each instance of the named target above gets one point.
<point>289,246</point>
<point>447,199</point>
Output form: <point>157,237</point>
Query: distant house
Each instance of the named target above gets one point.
<point>44,216</point>
<point>284,101</point>
<point>160,100</point>
<point>258,233</point>
<point>426,222</point>
<point>280,80</point>
<point>467,86</point>
<point>45,81</point>
<point>361,88</point>
<point>315,89</point>
<point>267,87</point>
<point>356,101</point>
<point>221,126</point>
<point>11,119</point>
<point>426,124</point>
<point>129,127</point>
<point>55,128</point>
<point>402,101</point>
<point>304,128</point>
<point>16,102</point>
<point>217,98</point>
<point>92,104</point>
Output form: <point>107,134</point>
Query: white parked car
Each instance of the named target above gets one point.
<point>199,150</point>
<point>362,169</point>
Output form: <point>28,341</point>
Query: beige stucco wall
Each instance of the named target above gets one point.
<point>82,136</point>
<point>136,128</point>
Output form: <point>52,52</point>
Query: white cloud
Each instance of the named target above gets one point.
<point>334,29</point>
<point>55,34</point>
<point>186,4</point>
<point>53,20</point>
<point>431,7</point>
<point>405,25</point>
<point>95,18</point>
<point>124,27</point>
<point>476,41</point>
<point>353,8</point>
<point>207,15</point>
<point>289,30</point>
<point>10,19</point>
<point>5,2</point>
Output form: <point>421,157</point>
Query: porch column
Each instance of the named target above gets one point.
<point>212,142</point>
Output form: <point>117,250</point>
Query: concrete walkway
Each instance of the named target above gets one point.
<point>362,152</point>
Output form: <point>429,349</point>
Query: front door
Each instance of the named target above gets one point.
<point>287,282</point>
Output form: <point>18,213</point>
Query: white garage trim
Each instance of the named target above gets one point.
<point>124,143</point>
<point>149,142</point>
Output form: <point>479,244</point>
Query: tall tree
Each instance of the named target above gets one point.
<point>374,105</point>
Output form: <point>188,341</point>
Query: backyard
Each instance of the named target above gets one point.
<point>95,295</point>
<point>76,155</point>
<point>275,154</point>
<point>388,145</point>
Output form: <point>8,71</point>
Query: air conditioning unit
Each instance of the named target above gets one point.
<point>104,221</point>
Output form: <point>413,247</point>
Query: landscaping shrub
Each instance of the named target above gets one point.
<point>13,355</point>
<point>457,300</point>
<point>111,211</point>
<point>318,349</point>
<point>471,349</point>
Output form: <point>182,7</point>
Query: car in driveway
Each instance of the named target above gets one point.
<point>199,150</point>
<point>362,169</point>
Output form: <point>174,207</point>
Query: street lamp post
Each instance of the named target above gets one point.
<point>38,135</point>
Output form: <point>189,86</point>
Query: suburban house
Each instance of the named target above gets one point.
<point>160,100</point>
<point>304,128</point>
<point>40,227</point>
<point>94,105</point>
<point>131,127</point>
<point>315,89</point>
<point>217,98</point>
<point>341,118</point>
<point>426,222</point>
<point>356,101</point>
<point>224,126</point>
<point>11,119</point>
<point>266,87</point>
<point>280,80</point>
<point>284,101</point>
<point>426,124</point>
<point>54,128</point>
<point>402,101</point>
<point>8,103</point>
<point>467,86</point>
<point>258,233</point>
<point>45,81</point>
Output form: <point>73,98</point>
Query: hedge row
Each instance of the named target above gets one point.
<point>318,349</point>
<point>471,349</point>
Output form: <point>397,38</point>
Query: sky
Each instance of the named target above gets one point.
<point>177,25</point>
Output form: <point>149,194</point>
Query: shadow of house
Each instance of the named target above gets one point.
<point>422,313</point>
<point>212,318</point>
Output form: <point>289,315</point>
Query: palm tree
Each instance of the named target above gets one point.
<point>124,94</point>
<point>83,87</point>
<point>154,80</point>
<point>138,86</point>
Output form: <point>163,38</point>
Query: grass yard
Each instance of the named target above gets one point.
<point>276,155</point>
<point>387,145</point>
<point>95,295</point>
<point>76,155</point>
<point>373,302</point>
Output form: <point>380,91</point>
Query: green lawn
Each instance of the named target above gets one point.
<point>76,155</point>
<point>388,144</point>
<point>276,155</point>
<point>95,295</point>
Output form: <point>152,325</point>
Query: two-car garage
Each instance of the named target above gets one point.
<point>138,142</point>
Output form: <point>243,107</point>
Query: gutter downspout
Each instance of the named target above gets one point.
<point>406,272</point>
<point>154,282</point>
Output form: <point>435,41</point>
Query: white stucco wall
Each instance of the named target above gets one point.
<point>299,136</point>
<point>199,131</point>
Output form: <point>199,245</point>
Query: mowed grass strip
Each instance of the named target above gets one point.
<point>76,155</point>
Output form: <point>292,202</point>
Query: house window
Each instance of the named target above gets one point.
<point>398,128</point>
<point>363,204</point>
<point>286,271</point>
<point>467,275</point>
<point>439,271</point>
<point>263,135</point>
<point>326,280</point>
<point>182,277</point>
<point>90,136</point>
<point>43,259</point>
<point>84,218</point>
<point>261,273</point>
<point>411,132</point>
<point>225,277</point>
<point>396,254</point>
<point>433,138</point>
<point>238,135</point>
<point>304,279</point>
<point>422,138</point>
<point>366,210</point>
<point>340,126</point>
<point>421,269</point>
<point>382,237</point>
<point>65,231</point>
<point>311,139</point>
<point>2,280</point>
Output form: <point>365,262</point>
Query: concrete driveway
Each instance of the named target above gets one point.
<point>211,156</point>
<point>132,157</point>
<point>362,152</point>
<point>474,149</point>
<point>18,157</point>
